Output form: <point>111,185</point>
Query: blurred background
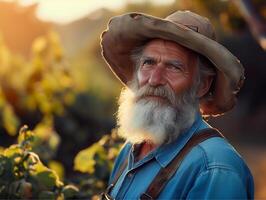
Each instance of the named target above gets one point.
<point>53,78</point>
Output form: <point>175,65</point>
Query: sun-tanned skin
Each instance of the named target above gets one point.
<point>164,62</point>
<point>167,63</point>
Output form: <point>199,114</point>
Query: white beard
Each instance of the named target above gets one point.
<point>140,119</point>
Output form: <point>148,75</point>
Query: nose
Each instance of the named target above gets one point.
<point>157,76</point>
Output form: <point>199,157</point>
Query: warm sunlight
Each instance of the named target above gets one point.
<point>66,69</point>
<point>62,11</point>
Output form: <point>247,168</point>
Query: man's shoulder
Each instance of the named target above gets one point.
<point>218,154</point>
<point>214,163</point>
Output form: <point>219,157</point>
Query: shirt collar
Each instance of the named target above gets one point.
<point>166,153</point>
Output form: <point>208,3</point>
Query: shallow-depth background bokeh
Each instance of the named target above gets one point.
<point>53,78</point>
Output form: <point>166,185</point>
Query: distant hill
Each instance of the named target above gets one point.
<point>19,26</point>
<point>80,33</point>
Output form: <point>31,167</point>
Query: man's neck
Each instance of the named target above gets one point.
<point>146,148</point>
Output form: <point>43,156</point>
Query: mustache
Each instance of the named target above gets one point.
<point>164,92</point>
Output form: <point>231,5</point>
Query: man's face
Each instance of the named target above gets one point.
<point>167,63</point>
<point>161,101</point>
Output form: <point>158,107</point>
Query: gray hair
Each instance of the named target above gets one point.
<point>205,67</point>
<point>135,56</point>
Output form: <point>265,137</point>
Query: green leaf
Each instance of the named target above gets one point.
<point>85,159</point>
<point>22,189</point>
<point>13,188</point>
<point>46,177</point>
<point>26,137</point>
<point>58,168</point>
<point>13,151</point>
<point>6,169</point>
<point>2,150</point>
<point>10,120</point>
<point>70,191</point>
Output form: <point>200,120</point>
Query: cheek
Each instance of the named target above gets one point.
<point>143,77</point>
<point>179,84</point>
<point>183,81</point>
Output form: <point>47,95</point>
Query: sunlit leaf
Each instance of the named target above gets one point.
<point>70,191</point>
<point>2,150</point>
<point>58,168</point>
<point>10,120</point>
<point>39,45</point>
<point>13,151</point>
<point>33,159</point>
<point>84,161</point>
<point>46,176</point>
<point>26,137</point>
<point>56,48</point>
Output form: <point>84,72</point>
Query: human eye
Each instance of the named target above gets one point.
<point>148,62</point>
<point>175,66</point>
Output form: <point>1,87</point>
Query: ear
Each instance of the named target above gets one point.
<point>204,86</point>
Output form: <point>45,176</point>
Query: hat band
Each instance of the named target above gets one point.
<point>193,28</point>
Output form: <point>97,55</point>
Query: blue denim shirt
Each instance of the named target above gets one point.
<point>211,170</point>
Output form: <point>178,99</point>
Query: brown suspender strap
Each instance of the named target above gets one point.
<point>166,173</point>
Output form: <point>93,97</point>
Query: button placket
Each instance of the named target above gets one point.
<point>130,174</point>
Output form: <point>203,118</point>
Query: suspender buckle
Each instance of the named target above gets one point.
<point>146,196</point>
<point>109,188</point>
<point>105,196</point>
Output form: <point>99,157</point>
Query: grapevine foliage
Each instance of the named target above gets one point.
<point>47,93</point>
<point>96,162</point>
<point>24,176</point>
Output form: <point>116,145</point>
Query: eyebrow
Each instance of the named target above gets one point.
<point>175,63</point>
<point>147,57</point>
<point>167,62</point>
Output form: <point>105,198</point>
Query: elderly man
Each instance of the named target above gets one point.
<point>175,73</point>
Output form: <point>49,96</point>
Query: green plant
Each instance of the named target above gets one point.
<point>96,163</point>
<point>24,176</point>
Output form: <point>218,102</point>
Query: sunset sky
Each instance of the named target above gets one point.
<point>64,11</point>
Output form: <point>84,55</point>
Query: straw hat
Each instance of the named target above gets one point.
<point>128,31</point>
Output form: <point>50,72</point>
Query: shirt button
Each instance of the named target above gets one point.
<point>130,174</point>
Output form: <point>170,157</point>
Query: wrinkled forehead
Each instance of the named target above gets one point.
<point>165,50</point>
<point>168,47</point>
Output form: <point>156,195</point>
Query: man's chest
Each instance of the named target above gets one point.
<point>135,180</point>
<point>163,172</point>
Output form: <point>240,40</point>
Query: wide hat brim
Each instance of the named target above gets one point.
<point>131,30</point>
